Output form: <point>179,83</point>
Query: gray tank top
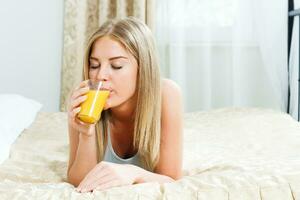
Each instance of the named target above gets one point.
<point>111,156</point>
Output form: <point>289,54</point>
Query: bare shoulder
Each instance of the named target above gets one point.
<point>172,105</point>
<point>170,88</point>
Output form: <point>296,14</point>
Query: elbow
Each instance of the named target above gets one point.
<point>176,176</point>
<point>170,179</point>
<point>73,179</point>
<point>171,176</point>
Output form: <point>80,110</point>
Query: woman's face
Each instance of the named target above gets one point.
<point>111,63</point>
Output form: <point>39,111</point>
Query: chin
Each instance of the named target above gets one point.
<point>109,107</point>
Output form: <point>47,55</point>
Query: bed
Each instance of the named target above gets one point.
<point>229,153</point>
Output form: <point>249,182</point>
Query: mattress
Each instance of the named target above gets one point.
<point>229,153</point>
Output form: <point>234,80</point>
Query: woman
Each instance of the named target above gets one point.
<point>139,136</point>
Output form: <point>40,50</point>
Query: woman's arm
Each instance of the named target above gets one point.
<point>73,144</point>
<point>170,162</point>
<point>82,147</point>
<point>106,175</point>
<point>83,155</point>
<point>169,167</point>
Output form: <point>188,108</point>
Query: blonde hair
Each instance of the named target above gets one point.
<point>138,40</point>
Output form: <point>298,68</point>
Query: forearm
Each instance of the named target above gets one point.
<point>85,160</point>
<point>142,176</point>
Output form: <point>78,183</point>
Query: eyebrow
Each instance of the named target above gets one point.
<point>112,58</point>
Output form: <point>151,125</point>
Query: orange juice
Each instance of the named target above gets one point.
<point>92,107</point>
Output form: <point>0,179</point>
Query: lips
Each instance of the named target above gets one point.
<point>104,88</point>
<point>107,88</point>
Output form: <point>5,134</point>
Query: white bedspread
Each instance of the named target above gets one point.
<point>230,153</point>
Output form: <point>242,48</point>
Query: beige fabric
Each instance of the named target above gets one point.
<point>235,154</point>
<point>81,19</point>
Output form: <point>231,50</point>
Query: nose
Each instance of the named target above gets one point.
<point>103,73</point>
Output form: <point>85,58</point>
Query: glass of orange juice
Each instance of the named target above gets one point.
<point>92,107</point>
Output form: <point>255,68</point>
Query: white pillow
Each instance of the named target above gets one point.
<point>17,113</point>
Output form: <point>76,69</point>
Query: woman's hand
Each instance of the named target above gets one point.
<point>78,96</point>
<point>106,175</point>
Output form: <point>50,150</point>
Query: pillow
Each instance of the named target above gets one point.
<point>17,114</point>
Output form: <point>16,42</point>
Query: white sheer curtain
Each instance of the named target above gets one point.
<point>294,65</point>
<point>225,53</point>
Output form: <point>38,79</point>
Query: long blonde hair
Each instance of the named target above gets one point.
<point>138,40</point>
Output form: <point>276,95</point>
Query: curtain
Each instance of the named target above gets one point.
<point>225,53</point>
<point>81,19</point>
<point>294,65</point>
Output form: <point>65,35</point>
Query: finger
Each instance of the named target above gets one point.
<point>82,84</point>
<point>79,92</point>
<point>108,184</point>
<point>84,124</point>
<point>93,176</point>
<point>85,128</point>
<point>75,112</point>
<point>90,175</point>
<point>98,181</point>
<point>76,102</point>
<point>79,127</point>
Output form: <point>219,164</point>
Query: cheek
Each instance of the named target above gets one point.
<point>126,88</point>
<point>92,74</point>
<point>126,85</point>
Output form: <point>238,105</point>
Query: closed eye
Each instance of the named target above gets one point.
<point>116,67</point>
<point>94,66</point>
<point>97,66</point>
